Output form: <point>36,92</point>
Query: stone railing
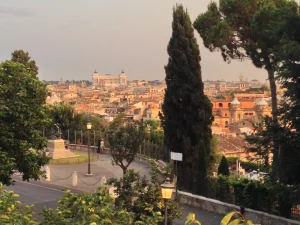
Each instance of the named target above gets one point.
<point>84,148</point>
<point>215,206</point>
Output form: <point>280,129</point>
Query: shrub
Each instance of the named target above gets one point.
<point>223,167</point>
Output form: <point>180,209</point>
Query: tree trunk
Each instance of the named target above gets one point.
<point>273,94</point>
<point>275,164</point>
<point>124,170</point>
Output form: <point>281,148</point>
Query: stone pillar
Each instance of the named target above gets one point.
<point>47,169</point>
<point>74,179</point>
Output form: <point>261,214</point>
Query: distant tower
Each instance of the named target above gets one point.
<point>123,79</point>
<point>261,107</point>
<point>235,111</point>
<point>241,78</point>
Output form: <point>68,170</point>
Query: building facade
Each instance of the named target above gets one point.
<point>109,80</point>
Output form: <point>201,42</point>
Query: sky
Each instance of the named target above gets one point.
<point>70,39</point>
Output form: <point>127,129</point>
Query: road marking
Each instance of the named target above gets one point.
<point>53,189</point>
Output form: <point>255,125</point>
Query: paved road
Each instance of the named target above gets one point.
<point>43,194</point>
<point>37,193</point>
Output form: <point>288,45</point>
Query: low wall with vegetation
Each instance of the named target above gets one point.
<point>215,206</point>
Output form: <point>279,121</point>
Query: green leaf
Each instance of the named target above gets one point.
<point>227,218</point>
<point>235,222</point>
<point>191,217</point>
<point>249,222</point>
<point>188,222</point>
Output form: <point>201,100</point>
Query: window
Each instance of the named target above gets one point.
<point>229,105</point>
<point>220,105</point>
<point>225,114</point>
<point>226,124</point>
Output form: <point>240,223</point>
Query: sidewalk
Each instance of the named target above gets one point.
<point>62,174</point>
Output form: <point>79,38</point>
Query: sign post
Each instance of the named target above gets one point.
<point>176,156</point>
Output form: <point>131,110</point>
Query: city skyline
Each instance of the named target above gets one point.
<point>72,39</point>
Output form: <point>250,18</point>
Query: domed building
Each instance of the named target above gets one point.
<point>238,113</point>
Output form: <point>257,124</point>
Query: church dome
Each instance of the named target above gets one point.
<point>262,102</point>
<point>235,101</point>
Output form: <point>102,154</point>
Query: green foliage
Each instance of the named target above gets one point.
<point>118,122</point>
<point>19,56</point>
<point>157,137</point>
<point>215,156</point>
<point>22,114</point>
<point>289,52</point>
<point>124,145</point>
<point>12,211</point>
<point>248,165</point>
<point>154,124</point>
<point>247,28</point>
<point>191,219</point>
<point>143,198</point>
<point>187,112</point>
<point>229,219</point>
<point>254,194</point>
<point>86,209</point>
<point>223,167</point>
<point>67,119</point>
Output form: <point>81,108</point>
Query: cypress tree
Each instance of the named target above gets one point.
<point>223,167</point>
<point>187,112</point>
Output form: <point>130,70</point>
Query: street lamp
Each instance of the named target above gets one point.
<point>166,192</point>
<point>89,127</point>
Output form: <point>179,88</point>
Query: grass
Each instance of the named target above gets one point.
<point>79,159</point>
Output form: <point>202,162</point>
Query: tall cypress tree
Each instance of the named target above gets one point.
<point>187,112</point>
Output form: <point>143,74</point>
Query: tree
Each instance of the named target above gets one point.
<point>223,167</point>
<point>87,209</point>
<point>22,114</point>
<point>142,197</point>
<point>24,58</point>
<point>233,28</point>
<point>63,115</point>
<point>118,121</point>
<point>125,144</point>
<point>289,52</point>
<point>186,112</point>
<point>154,124</point>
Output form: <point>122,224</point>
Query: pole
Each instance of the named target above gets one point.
<point>68,136</point>
<point>94,140</point>
<point>176,176</point>
<point>81,140</point>
<point>75,139</point>
<point>89,159</point>
<point>166,212</point>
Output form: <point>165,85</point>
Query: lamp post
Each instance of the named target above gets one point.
<point>166,192</point>
<point>89,127</point>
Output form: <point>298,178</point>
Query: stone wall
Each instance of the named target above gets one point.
<point>222,208</point>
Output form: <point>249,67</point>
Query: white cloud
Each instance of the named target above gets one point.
<point>16,11</point>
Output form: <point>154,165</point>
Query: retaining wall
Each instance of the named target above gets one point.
<point>215,206</point>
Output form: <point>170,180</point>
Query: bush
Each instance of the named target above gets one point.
<point>12,211</point>
<point>248,165</point>
<point>254,194</point>
<point>223,167</point>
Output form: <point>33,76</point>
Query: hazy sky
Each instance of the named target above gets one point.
<point>72,38</point>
